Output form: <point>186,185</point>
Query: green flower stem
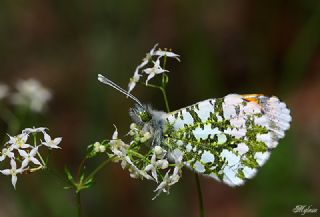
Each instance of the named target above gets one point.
<point>80,186</point>
<point>100,167</point>
<point>81,167</point>
<point>38,154</point>
<point>201,214</point>
<point>163,91</point>
<point>79,207</point>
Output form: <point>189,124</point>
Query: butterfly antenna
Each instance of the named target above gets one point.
<point>106,81</point>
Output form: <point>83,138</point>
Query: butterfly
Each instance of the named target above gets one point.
<point>227,139</point>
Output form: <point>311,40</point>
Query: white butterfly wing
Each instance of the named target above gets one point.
<point>228,138</point>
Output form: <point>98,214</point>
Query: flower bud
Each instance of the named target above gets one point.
<point>102,148</point>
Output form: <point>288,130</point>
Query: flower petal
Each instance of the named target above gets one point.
<point>166,53</point>
<point>149,77</point>
<point>23,153</point>
<point>6,172</point>
<point>13,164</point>
<point>57,141</point>
<point>25,163</point>
<point>34,151</point>
<point>35,161</point>
<point>14,181</point>
<point>47,138</point>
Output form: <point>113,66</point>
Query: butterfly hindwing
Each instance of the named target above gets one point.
<point>228,138</point>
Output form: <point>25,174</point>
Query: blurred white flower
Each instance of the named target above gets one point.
<point>4,91</point>
<point>6,152</point>
<point>13,172</point>
<point>19,141</point>
<point>155,70</point>
<point>51,143</point>
<point>34,130</point>
<point>29,157</point>
<point>31,93</point>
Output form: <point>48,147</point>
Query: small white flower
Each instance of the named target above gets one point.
<point>148,58</point>
<point>133,81</point>
<point>146,136</point>
<point>34,130</point>
<point>102,148</point>
<point>133,126</point>
<point>153,168</point>
<point>4,90</point>
<point>115,133</point>
<point>51,143</point>
<point>162,53</point>
<point>19,141</point>
<point>13,172</point>
<point>136,75</point>
<point>31,93</point>
<point>6,152</point>
<point>160,152</point>
<point>155,70</point>
<point>168,181</point>
<point>98,147</point>
<point>133,169</point>
<point>29,157</point>
<point>155,165</point>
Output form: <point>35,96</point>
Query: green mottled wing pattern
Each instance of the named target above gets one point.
<point>227,138</point>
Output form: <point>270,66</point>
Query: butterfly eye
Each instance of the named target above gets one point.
<point>145,116</point>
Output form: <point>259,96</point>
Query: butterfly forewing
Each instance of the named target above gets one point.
<point>227,138</point>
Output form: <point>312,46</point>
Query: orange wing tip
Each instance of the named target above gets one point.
<point>251,97</point>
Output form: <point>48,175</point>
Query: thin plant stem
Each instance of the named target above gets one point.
<point>38,154</point>
<point>81,166</point>
<point>201,207</point>
<point>100,167</point>
<point>165,98</point>
<point>79,208</point>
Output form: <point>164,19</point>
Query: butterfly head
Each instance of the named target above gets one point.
<point>140,114</point>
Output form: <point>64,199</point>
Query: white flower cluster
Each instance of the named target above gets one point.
<point>31,93</point>
<point>154,70</point>
<point>141,159</point>
<point>19,150</point>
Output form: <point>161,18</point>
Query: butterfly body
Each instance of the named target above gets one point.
<point>226,138</point>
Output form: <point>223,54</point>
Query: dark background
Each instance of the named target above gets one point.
<point>230,46</point>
